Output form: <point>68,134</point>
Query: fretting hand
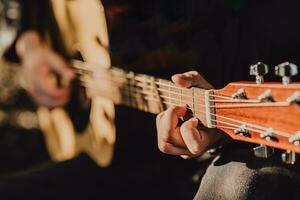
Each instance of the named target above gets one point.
<point>189,139</point>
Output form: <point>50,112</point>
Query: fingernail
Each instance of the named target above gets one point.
<point>194,119</point>
<point>196,150</point>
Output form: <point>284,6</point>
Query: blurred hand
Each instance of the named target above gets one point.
<point>187,140</point>
<point>41,64</point>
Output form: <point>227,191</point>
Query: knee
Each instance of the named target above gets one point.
<point>236,180</point>
<point>229,181</point>
<point>274,182</point>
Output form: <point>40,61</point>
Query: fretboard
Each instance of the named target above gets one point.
<point>144,92</point>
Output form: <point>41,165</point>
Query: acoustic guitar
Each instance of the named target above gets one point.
<point>267,114</point>
<point>263,113</point>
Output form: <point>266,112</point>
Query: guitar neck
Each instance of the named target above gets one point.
<point>245,111</point>
<point>144,92</point>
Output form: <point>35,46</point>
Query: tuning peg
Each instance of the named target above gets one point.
<point>295,139</point>
<point>242,131</point>
<point>263,151</point>
<point>259,70</point>
<point>286,70</point>
<point>288,157</point>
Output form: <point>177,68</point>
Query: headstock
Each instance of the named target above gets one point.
<point>264,113</point>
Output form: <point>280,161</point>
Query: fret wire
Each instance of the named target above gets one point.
<point>127,94</point>
<point>160,103</point>
<point>132,101</point>
<point>170,100</point>
<point>180,96</point>
<point>128,90</point>
<point>146,107</point>
<point>134,90</point>
<point>153,88</point>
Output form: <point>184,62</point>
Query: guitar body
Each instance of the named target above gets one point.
<point>83,29</point>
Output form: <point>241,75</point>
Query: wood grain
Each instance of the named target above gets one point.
<point>282,118</point>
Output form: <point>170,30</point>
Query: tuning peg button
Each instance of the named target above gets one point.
<point>286,70</point>
<point>263,151</point>
<point>259,70</point>
<point>288,157</point>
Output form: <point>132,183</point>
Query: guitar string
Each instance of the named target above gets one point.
<point>137,93</point>
<point>224,101</point>
<point>283,134</point>
<point>230,119</point>
<point>229,99</point>
<point>137,78</point>
<point>141,84</point>
<point>235,125</point>
<point>149,88</point>
<point>219,106</point>
<point>244,123</point>
<point>181,89</point>
<point>253,104</point>
<point>149,79</point>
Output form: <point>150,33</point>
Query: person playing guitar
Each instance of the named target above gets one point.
<point>227,36</point>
